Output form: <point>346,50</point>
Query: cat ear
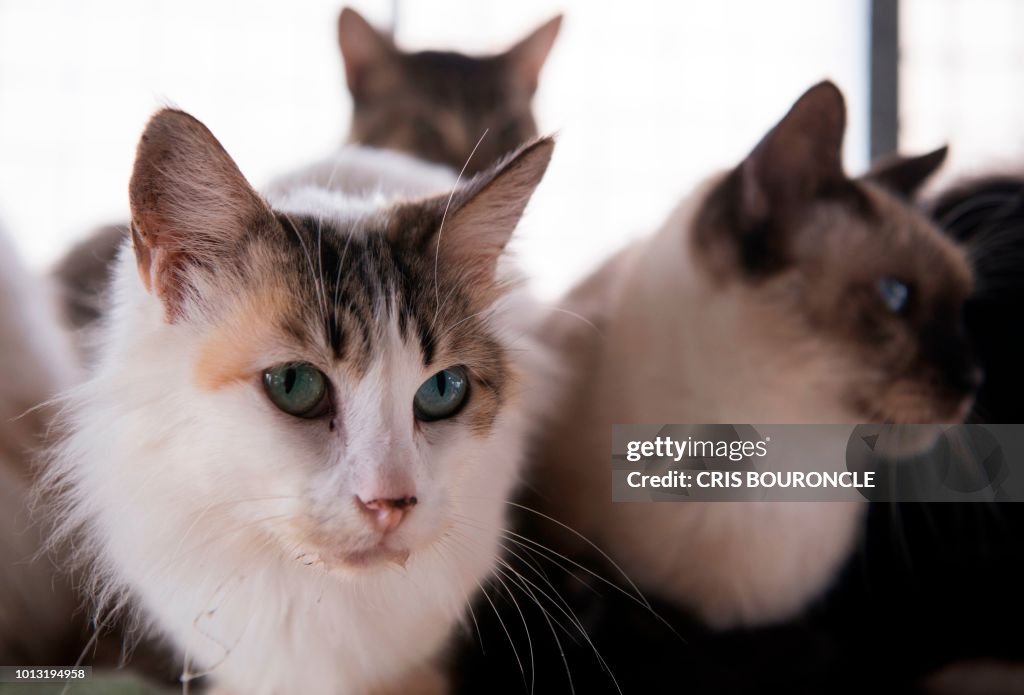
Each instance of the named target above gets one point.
<point>903,175</point>
<point>528,56</point>
<point>489,208</point>
<point>798,159</point>
<point>362,47</point>
<point>478,222</point>
<point>189,202</point>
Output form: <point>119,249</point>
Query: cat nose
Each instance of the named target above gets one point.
<point>387,514</point>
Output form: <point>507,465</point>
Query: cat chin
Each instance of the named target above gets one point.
<point>348,553</point>
<point>348,562</point>
<point>375,557</point>
<point>357,563</point>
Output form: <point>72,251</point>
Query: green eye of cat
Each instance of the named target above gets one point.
<point>895,293</point>
<point>442,395</point>
<point>297,388</point>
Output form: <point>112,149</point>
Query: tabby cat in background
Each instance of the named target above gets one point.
<point>436,105</point>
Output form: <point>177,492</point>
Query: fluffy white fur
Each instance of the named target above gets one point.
<point>365,172</point>
<point>183,497</point>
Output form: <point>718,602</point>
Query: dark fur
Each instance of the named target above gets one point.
<point>442,108</point>
<point>438,105</point>
<point>816,243</point>
<point>929,586</point>
<point>987,215</point>
<point>83,274</point>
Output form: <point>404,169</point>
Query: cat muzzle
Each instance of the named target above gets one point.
<point>386,515</point>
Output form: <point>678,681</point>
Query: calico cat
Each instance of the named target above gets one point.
<point>293,454</point>
<point>781,292</point>
<point>37,363</point>
<point>437,105</point>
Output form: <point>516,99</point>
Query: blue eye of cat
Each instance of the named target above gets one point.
<point>895,293</point>
<point>297,388</point>
<point>442,395</point>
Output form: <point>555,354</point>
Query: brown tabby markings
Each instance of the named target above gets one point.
<point>436,105</point>
<point>271,287</point>
<point>282,307</point>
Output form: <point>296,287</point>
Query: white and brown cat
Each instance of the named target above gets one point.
<point>292,455</point>
<point>782,291</point>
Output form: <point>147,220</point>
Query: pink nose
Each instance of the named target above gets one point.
<point>387,514</point>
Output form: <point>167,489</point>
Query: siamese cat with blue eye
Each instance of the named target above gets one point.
<point>782,291</point>
<point>293,454</point>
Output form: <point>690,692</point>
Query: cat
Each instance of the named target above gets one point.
<point>82,274</point>
<point>432,105</point>
<point>293,453</point>
<point>437,105</point>
<point>38,363</point>
<point>987,214</point>
<point>780,292</point>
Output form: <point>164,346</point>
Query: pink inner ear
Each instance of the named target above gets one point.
<point>190,204</point>
<point>482,221</point>
<point>143,258</point>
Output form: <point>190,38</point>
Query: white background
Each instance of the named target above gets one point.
<point>647,97</point>
<point>962,82</point>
